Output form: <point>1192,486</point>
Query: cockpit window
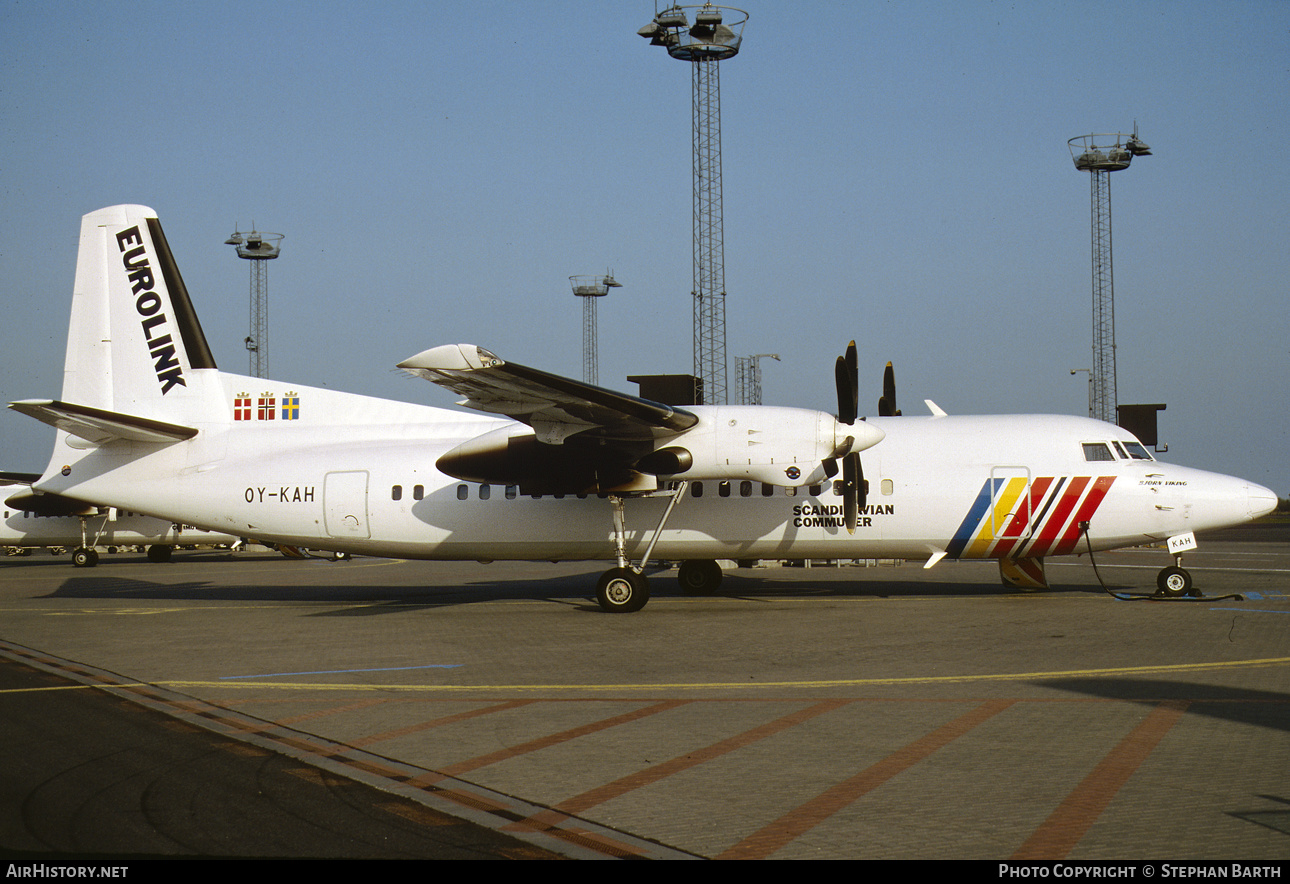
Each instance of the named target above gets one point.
<point>1137,452</point>
<point>1119,449</point>
<point>1096,451</point>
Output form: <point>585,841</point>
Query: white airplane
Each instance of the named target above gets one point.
<point>32,520</point>
<point>553,470</point>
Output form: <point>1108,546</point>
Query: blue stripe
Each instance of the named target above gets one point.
<point>968,528</point>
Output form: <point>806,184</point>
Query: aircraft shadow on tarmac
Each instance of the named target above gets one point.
<point>1247,706</point>
<point>1268,709</point>
<point>328,583</point>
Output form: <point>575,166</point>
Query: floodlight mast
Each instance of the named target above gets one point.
<point>1100,155</point>
<point>590,288</point>
<point>716,35</point>
<point>748,377</point>
<point>258,247</point>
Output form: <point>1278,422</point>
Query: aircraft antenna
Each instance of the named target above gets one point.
<point>590,288</point>
<point>258,247</point>
<point>1100,155</point>
<point>715,36</point>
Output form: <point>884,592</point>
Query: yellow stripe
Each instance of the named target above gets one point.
<point>980,547</point>
<point>741,685</point>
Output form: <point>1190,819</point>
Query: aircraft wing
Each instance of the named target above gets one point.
<point>99,426</point>
<point>555,407</point>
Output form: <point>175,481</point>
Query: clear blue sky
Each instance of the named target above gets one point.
<point>896,172</point>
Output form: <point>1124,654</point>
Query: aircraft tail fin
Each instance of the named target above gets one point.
<point>135,346</point>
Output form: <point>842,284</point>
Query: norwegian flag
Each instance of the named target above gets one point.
<point>267,409</point>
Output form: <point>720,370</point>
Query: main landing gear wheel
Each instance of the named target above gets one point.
<point>159,553</point>
<point>85,557</point>
<point>699,576</point>
<point>622,591</point>
<point>1173,582</point>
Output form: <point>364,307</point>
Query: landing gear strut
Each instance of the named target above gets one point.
<point>85,556</point>
<point>625,589</point>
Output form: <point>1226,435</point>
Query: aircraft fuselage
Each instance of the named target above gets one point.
<point>972,486</point>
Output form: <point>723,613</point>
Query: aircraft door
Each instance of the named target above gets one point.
<point>1010,504</point>
<point>345,504</point>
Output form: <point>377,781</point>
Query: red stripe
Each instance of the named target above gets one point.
<point>1086,511</point>
<point>1017,527</point>
<point>1057,519</point>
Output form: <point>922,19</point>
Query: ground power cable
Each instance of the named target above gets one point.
<point>1157,596</point>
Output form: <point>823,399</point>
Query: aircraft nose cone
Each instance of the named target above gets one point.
<point>1262,500</point>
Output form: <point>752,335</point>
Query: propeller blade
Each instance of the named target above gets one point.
<point>851,491</point>
<point>887,404</point>
<point>847,376</point>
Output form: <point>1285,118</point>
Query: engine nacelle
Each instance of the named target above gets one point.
<point>778,446</point>
<point>513,455</point>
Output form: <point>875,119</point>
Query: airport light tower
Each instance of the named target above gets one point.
<point>715,36</point>
<point>258,248</point>
<point>1100,155</point>
<point>591,288</point>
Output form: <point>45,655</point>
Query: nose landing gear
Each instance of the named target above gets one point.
<point>1175,581</point>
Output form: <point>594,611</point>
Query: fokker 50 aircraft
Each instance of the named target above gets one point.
<point>560,470</point>
<point>45,521</point>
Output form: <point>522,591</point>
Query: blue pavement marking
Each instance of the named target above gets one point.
<point>1251,610</point>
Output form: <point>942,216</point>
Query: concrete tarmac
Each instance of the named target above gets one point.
<point>830,712</point>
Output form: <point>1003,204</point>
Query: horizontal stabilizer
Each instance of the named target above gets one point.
<point>8,478</point>
<point>99,426</point>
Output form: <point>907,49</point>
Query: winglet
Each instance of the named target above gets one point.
<point>935,557</point>
<point>935,409</point>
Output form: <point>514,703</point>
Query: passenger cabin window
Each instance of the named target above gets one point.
<point>1097,451</point>
<point>463,492</point>
<point>418,492</point>
<point>484,492</point>
<point>396,493</point>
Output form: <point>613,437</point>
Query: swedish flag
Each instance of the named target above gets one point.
<point>290,407</point>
